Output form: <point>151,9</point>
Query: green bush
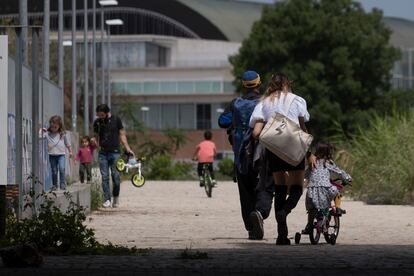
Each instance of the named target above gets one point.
<point>226,167</point>
<point>52,230</point>
<point>55,232</point>
<point>161,167</point>
<point>380,159</point>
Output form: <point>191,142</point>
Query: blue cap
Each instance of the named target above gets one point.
<point>250,79</point>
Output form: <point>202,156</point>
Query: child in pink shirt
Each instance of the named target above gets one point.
<point>205,152</point>
<point>85,157</point>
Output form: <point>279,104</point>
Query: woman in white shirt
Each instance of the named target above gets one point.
<point>279,98</point>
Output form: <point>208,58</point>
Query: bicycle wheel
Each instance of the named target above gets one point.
<point>137,180</point>
<point>315,234</point>
<point>332,226</point>
<point>120,165</point>
<point>208,185</point>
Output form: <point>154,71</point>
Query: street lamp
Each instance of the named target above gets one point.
<point>111,22</point>
<point>145,110</point>
<point>103,4</point>
<point>67,43</point>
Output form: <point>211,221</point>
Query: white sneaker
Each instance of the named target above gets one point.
<point>115,203</point>
<point>107,204</point>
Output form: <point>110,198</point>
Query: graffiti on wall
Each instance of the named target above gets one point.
<point>44,173</point>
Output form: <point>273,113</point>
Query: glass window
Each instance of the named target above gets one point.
<point>133,88</point>
<point>216,86</point>
<point>185,86</point>
<point>118,87</point>
<point>156,56</point>
<point>229,87</point>
<point>203,116</point>
<point>186,118</point>
<point>151,87</point>
<point>152,116</point>
<point>126,54</point>
<point>168,86</point>
<point>169,115</point>
<point>202,86</point>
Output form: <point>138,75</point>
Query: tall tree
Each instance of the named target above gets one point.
<point>338,56</point>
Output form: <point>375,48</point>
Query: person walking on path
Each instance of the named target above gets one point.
<point>204,154</point>
<point>279,98</point>
<point>110,133</point>
<point>85,158</point>
<point>57,143</point>
<point>255,197</point>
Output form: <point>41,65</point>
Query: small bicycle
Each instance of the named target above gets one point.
<point>207,180</point>
<point>137,179</point>
<point>326,222</point>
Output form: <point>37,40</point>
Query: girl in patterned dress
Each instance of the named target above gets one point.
<point>320,189</point>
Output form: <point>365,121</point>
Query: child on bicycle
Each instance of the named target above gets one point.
<point>204,153</point>
<point>320,189</point>
<point>85,157</point>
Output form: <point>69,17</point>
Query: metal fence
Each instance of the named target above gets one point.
<point>51,103</point>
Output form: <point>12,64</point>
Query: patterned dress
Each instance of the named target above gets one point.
<point>320,190</point>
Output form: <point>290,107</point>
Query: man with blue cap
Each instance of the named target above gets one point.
<point>255,196</point>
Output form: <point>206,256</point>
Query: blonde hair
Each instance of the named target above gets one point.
<point>57,120</point>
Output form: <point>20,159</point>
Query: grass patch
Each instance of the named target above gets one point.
<point>189,254</point>
<point>380,159</point>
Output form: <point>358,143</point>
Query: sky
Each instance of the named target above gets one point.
<point>394,8</point>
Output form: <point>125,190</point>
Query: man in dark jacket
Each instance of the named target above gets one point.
<point>255,193</point>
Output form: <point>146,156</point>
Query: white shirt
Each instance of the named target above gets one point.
<point>266,108</point>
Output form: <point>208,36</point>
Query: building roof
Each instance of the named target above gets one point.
<point>233,18</point>
<point>402,31</point>
<point>209,19</point>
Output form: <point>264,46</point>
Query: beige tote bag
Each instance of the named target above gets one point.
<point>285,138</point>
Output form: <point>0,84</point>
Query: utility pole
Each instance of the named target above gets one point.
<point>35,116</point>
<point>109,66</point>
<point>94,56</point>
<point>86,63</point>
<point>102,56</point>
<point>18,99</point>
<point>73,98</point>
<point>46,27</point>
<point>24,23</point>
<point>60,46</point>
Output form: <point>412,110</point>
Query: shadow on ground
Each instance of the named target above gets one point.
<point>250,259</point>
